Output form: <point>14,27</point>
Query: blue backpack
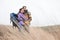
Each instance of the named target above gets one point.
<point>14,17</point>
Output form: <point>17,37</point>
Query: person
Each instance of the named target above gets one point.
<point>24,19</point>
<point>27,13</point>
<point>21,17</point>
<point>29,18</point>
<point>25,16</point>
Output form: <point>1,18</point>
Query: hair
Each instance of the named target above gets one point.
<point>23,6</point>
<point>20,10</point>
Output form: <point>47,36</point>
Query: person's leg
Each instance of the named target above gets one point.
<point>13,24</point>
<point>26,28</point>
<point>23,26</point>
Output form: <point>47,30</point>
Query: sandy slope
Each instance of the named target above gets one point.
<point>36,33</point>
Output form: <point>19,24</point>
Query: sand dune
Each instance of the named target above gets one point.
<point>36,33</point>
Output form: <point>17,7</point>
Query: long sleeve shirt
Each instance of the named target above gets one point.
<point>21,18</point>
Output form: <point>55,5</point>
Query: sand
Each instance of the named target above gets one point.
<point>36,33</point>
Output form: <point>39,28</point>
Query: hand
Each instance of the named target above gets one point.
<point>27,22</point>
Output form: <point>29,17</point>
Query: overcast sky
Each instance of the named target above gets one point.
<point>44,12</point>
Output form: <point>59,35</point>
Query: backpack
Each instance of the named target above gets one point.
<point>13,16</point>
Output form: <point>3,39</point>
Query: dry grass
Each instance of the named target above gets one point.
<point>36,33</point>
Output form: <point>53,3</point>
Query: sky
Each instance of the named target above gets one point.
<point>43,12</point>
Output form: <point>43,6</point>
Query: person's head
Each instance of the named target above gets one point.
<point>24,7</point>
<point>21,10</point>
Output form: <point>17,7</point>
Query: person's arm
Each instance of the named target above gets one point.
<point>19,17</point>
<point>30,18</point>
<point>22,23</point>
